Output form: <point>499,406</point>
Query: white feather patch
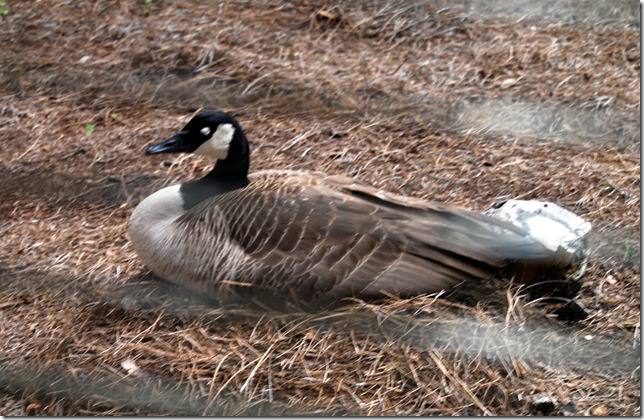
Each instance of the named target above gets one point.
<point>217,145</point>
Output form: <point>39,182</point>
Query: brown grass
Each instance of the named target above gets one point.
<point>426,100</point>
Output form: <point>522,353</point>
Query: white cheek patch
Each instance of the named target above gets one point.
<point>217,145</point>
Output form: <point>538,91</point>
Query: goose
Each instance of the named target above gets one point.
<point>313,236</point>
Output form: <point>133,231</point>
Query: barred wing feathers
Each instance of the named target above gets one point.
<point>329,237</point>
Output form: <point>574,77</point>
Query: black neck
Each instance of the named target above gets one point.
<point>194,192</point>
<point>236,164</point>
<point>230,169</point>
<point>228,174</point>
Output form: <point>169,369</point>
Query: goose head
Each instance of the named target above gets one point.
<point>213,134</point>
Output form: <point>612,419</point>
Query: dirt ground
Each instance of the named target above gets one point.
<point>453,102</point>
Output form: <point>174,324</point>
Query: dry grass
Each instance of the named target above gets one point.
<point>428,101</point>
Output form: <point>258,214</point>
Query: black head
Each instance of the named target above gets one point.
<point>213,134</point>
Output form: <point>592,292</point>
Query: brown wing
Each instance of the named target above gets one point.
<point>329,237</point>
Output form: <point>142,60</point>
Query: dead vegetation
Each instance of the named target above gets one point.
<point>417,98</point>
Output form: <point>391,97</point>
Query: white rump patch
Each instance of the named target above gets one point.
<point>217,146</point>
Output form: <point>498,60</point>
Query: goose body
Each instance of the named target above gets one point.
<point>311,235</point>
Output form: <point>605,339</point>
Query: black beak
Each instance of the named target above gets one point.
<point>175,144</point>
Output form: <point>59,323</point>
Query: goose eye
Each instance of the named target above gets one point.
<point>205,131</point>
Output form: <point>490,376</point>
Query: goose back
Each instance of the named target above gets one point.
<point>323,238</point>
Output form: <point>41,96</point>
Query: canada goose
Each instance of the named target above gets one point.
<point>314,236</point>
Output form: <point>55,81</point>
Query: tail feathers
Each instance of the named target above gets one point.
<point>480,246</point>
